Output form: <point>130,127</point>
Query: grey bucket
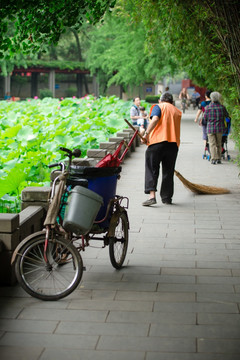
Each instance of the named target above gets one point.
<point>81,210</point>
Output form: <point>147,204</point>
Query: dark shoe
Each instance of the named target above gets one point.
<point>213,162</point>
<point>167,201</point>
<point>219,162</point>
<point>149,202</point>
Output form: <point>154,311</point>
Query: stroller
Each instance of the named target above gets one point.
<point>225,140</point>
<point>207,154</point>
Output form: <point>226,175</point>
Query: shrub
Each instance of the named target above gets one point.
<point>152,98</point>
<point>45,93</point>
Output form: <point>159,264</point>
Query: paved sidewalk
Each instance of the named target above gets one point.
<point>178,296</point>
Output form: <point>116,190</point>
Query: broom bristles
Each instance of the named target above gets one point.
<point>201,189</point>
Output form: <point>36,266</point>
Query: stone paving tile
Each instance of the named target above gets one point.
<point>234,257</point>
<point>46,340</point>
<point>19,303</point>
<point>137,260</point>
<point>196,272</point>
<point>67,315</point>
<point>153,270</point>
<point>28,326</point>
<point>101,295</point>
<point>218,280</point>
<point>210,233</point>
<point>111,305</point>
<point>20,352</point>
<point>206,240</point>
<point>237,288</point>
<point>208,224</point>
<point>195,331</point>
<point>210,247</point>
<point>196,307</point>
<point>160,279</point>
<point>113,329</point>
<point>156,296</point>
<point>150,317</point>
<point>73,354</point>
<point>198,288</point>
<point>112,276</point>
<point>226,346</point>
<point>236,272</point>
<point>9,312</point>
<point>173,243</point>
<point>219,297</point>
<point>146,344</point>
<point>234,246</point>
<point>124,286</point>
<point>190,356</point>
<point>222,319</point>
<point>218,264</point>
<point>14,291</point>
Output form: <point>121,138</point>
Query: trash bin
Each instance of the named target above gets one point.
<point>81,210</point>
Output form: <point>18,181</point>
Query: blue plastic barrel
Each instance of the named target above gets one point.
<point>102,181</point>
<point>105,187</point>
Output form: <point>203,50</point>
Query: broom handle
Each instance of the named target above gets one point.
<point>131,126</point>
<point>141,137</point>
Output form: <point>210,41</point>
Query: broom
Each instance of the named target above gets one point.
<point>195,188</point>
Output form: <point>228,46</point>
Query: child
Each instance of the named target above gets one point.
<point>142,122</point>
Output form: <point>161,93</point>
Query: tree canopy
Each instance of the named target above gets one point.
<point>40,22</point>
<point>202,35</point>
<point>116,52</point>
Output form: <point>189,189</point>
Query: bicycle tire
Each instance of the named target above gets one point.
<point>184,107</point>
<point>119,243</point>
<point>52,282</point>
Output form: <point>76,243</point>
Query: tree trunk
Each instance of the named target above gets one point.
<point>226,18</point>
<point>34,84</point>
<point>81,78</point>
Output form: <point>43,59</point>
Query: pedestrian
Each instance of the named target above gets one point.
<point>195,98</point>
<point>142,122</point>
<point>201,110</point>
<point>214,115</point>
<point>163,139</point>
<point>184,97</point>
<point>135,110</point>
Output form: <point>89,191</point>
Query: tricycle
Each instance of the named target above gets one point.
<point>83,206</point>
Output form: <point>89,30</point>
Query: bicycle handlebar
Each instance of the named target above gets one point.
<point>66,150</point>
<point>70,154</point>
<point>75,152</point>
<point>54,165</point>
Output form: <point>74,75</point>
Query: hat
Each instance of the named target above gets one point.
<point>166,96</point>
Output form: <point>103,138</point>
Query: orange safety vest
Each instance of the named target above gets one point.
<point>168,126</point>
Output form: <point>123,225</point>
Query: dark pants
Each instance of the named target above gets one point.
<point>165,153</point>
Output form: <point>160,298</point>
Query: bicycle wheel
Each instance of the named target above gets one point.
<point>119,243</point>
<point>183,106</point>
<point>55,279</point>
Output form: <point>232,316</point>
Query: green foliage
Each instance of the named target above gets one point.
<point>39,22</point>
<point>201,37</point>
<point>45,93</point>
<point>152,98</point>
<point>117,52</point>
<point>32,131</point>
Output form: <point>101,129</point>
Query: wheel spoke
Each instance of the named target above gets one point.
<point>53,279</point>
<point>119,243</point>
